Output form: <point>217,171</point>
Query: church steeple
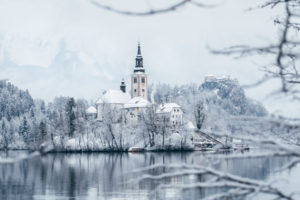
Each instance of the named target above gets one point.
<point>139,79</point>
<point>123,86</point>
<point>139,49</point>
<point>139,61</point>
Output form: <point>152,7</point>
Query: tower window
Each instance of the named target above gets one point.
<point>143,90</point>
<point>143,79</point>
<point>134,90</point>
<point>135,80</point>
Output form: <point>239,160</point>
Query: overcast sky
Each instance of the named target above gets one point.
<point>73,48</point>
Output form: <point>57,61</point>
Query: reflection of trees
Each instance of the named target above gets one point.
<point>73,175</point>
<point>72,183</point>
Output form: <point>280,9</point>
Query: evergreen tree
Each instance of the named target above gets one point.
<point>32,115</point>
<point>42,131</point>
<point>70,111</point>
<point>43,107</point>
<point>199,114</point>
<point>4,133</point>
<point>25,131</point>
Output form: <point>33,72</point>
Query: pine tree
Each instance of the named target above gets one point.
<point>199,114</point>
<point>43,107</point>
<point>5,134</point>
<point>25,131</point>
<point>32,115</point>
<point>42,131</point>
<point>70,111</point>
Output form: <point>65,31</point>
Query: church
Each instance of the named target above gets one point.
<point>129,107</point>
<point>132,103</point>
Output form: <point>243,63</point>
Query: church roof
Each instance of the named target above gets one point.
<point>91,110</point>
<point>167,107</point>
<point>137,102</point>
<point>115,97</point>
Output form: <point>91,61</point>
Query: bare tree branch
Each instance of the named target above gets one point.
<point>145,13</point>
<point>151,11</point>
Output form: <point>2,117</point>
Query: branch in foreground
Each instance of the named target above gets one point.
<point>150,12</point>
<point>236,185</point>
<point>170,8</point>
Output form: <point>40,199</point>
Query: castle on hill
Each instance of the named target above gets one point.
<point>133,105</point>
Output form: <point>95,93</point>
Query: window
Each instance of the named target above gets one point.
<point>143,90</point>
<point>134,90</point>
<point>135,79</point>
<point>143,79</point>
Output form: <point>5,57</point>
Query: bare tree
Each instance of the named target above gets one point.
<point>235,186</point>
<point>285,51</point>
<point>112,115</point>
<point>150,120</point>
<point>150,11</point>
<point>164,126</point>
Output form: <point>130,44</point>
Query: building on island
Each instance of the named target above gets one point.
<point>114,99</point>
<point>135,108</point>
<point>91,112</point>
<point>131,107</point>
<point>171,113</point>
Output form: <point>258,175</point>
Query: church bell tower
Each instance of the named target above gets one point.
<point>139,79</point>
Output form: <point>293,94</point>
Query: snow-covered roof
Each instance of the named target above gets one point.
<point>137,102</point>
<point>91,110</point>
<point>114,96</point>
<point>99,101</point>
<point>167,107</point>
<point>190,125</point>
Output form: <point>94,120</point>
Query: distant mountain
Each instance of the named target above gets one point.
<point>67,71</point>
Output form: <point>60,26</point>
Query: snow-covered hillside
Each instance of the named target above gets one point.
<point>217,106</point>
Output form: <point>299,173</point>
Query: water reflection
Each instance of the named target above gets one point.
<point>106,175</point>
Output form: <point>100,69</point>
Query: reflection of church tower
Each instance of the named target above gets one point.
<point>139,80</point>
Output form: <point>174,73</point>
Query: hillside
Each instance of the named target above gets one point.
<point>13,101</point>
<point>230,96</point>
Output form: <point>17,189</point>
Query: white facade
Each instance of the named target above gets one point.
<point>134,109</point>
<point>115,99</point>
<point>172,112</point>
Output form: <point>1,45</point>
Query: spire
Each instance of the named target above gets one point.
<point>139,61</point>
<point>139,49</point>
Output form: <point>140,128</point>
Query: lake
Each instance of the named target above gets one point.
<point>91,176</point>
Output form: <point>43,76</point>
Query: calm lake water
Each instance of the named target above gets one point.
<point>91,176</point>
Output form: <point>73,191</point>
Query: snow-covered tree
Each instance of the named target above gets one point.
<point>70,114</point>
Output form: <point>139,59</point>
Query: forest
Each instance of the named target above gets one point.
<point>218,106</point>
